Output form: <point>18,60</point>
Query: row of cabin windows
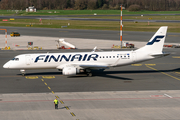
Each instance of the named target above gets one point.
<point>112,56</point>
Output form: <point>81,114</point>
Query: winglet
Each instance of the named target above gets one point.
<point>94,49</point>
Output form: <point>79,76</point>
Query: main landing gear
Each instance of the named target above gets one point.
<point>23,72</point>
<point>88,72</point>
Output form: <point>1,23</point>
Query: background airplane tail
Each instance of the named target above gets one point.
<point>155,45</point>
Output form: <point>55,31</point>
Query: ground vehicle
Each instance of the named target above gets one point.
<point>14,34</point>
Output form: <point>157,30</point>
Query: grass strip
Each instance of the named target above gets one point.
<point>91,25</point>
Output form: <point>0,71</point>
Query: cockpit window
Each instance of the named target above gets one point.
<point>15,59</point>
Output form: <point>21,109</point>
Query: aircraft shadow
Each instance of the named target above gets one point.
<point>108,74</point>
<point>135,71</point>
<point>116,77</point>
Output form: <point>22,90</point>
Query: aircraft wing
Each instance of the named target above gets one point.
<point>94,66</point>
<point>84,66</point>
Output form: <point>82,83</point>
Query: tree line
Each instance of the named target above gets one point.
<point>133,5</point>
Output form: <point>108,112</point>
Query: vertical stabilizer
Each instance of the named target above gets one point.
<point>155,45</point>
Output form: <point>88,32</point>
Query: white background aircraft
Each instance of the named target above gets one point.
<point>76,62</point>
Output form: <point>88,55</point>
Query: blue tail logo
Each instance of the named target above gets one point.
<point>155,40</point>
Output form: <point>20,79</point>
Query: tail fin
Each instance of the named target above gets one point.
<point>155,45</point>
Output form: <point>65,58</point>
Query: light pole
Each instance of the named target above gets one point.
<point>5,38</point>
<point>121,27</point>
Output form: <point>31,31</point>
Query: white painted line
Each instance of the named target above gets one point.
<point>168,95</point>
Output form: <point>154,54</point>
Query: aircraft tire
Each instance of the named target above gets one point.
<point>89,74</point>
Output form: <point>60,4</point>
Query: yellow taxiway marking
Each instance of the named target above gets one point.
<point>150,64</point>
<point>141,64</point>
<point>66,107</point>
<point>72,114</point>
<point>136,64</point>
<point>56,96</point>
<point>48,77</point>
<point>177,73</point>
<point>48,86</point>
<point>31,77</point>
<point>175,56</point>
<point>163,73</point>
<point>61,102</point>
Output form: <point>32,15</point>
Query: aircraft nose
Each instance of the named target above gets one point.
<point>6,65</point>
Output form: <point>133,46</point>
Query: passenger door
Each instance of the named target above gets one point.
<point>134,56</point>
<point>28,59</point>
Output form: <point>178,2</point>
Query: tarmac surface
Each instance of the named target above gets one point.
<point>89,34</point>
<point>117,105</point>
<point>148,90</point>
<point>143,91</point>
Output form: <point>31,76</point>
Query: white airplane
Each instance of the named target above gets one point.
<point>76,62</point>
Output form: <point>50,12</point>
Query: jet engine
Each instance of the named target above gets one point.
<point>70,71</point>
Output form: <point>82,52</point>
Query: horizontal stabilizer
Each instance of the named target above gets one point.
<point>159,55</point>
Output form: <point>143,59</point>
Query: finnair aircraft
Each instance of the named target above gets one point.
<point>76,62</point>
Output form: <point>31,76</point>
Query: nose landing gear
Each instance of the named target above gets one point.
<point>23,72</point>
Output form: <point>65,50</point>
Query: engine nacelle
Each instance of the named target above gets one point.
<point>70,71</point>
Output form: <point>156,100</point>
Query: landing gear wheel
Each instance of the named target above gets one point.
<point>23,72</point>
<point>89,74</point>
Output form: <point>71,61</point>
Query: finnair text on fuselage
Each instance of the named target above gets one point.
<point>70,57</point>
